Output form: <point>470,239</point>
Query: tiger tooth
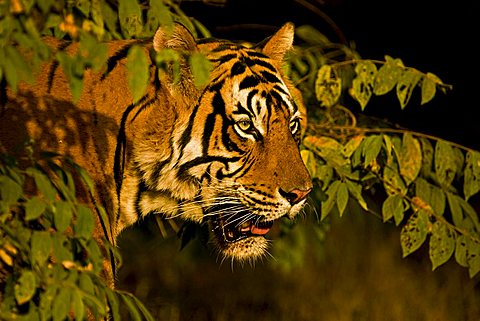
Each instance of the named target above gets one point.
<point>245,227</point>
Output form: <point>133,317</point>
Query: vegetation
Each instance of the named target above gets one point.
<point>50,264</point>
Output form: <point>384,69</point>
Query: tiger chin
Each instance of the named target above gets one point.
<point>225,155</point>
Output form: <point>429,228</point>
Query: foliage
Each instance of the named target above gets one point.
<point>50,264</point>
<point>425,183</point>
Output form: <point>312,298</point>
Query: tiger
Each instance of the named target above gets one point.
<point>224,155</point>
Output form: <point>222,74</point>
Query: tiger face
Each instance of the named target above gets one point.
<point>235,163</point>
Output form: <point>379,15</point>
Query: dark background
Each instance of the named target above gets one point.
<point>430,35</point>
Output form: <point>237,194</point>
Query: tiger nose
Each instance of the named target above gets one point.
<point>295,196</point>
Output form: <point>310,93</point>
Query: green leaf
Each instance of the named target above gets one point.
<point>310,162</point>
<point>34,208</point>
<point>46,300</point>
<point>113,304</point>
<point>362,85</point>
<point>138,73</point>
<point>130,17</point>
<point>351,146</point>
<point>25,287</point>
<point>325,174</point>
<point>473,258</point>
<point>393,183</point>
<point>431,194</point>
<point>43,183</point>
<point>77,305</point>
<point>342,198</point>
<point>455,209</point>
<point>327,206</point>
<point>328,149</point>
<point>70,67</point>
<point>60,250</point>
<point>328,86</point>
<point>471,184</point>
<point>200,67</point>
<point>461,250</point>
<point>61,304</point>
<point>387,76</point>
<point>62,216</point>
<point>371,148</point>
<point>85,223</point>
<point>407,82</point>
<point>393,207</point>
<point>10,191</point>
<point>355,190</point>
<point>414,233</point>
<point>410,158</point>
<point>41,247</point>
<point>442,244</point>
<point>445,165</point>
<point>427,157</point>
<point>311,35</point>
<point>131,307</point>
<point>429,86</point>
<point>86,284</point>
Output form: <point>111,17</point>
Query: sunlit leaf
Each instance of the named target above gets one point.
<point>61,304</point>
<point>130,17</point>
<point>427,157</point>
<point>310,162</point>
<point>387,76</point>
<point>405,86</point>
<point>85,223</point>
<point>113,304</point>
<point>429,86</point>
<point>371,148</point>
<point>433,196</point>
<point>442,244</point>
<point>352,144</point>
<point>445,165</point>
<point>62,216</point>
<point>410,158</point>
<point>10,191</point>
<point>324,173</point>
<point>41,247</point>
<point>342,198</point>
<point>461,250</point>
<point>393,182</point>
<point>393,207</point>
<point>25,287</point>
<point>473,258</point>
<point>138,74</point>
<point>414,233</point>
<point>355,190</point>
<point>46,300</point>
<point>362,85</point>
<point>471,184</point>
<point>78,307</point>
<point>327,206</point>
<point>200,67</point>
<point>328,149</point>
<point>328,86</point>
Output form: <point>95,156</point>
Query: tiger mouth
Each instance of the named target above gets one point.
<point>226,229</point>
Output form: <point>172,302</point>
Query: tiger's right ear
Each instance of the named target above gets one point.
<point>180,38</point>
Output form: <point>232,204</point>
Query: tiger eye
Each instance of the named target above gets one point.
<point>244,125</point>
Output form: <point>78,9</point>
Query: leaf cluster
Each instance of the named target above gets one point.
<point>50,264</point>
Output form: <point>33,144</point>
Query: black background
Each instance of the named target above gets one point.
<point>432,36</point>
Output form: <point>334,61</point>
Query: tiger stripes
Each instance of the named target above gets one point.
<point>225,155</point>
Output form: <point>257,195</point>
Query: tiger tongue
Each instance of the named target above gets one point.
<point>259,230</point>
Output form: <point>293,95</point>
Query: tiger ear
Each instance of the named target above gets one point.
<point>180,38</point>
<point>280,43</point>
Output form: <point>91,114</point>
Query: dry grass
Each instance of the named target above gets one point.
<point>358,274</point>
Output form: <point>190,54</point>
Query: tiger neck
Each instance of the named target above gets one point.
<point>152,183</point>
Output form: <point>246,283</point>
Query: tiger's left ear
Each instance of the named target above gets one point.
<point>280,43</point>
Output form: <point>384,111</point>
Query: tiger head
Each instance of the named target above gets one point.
<point>233,159</point>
